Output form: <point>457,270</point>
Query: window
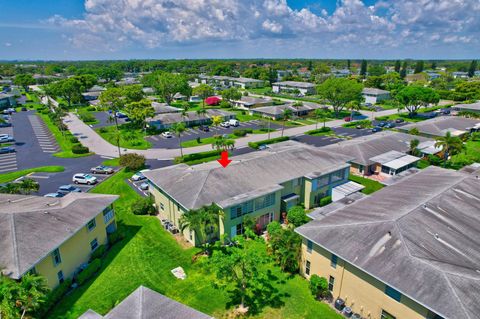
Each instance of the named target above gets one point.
<point>240,229</point>
<point>162,207</point>
<point>392,293</point>
<point>57,259</point>
<point>386,315</point>
<point>265,201</point>
<point>91,225</point>
<point>242,209</point>
<point>333,261</point>
<point>323,181</point>
<point>94,244</point>
<point>297,182</point>
<point>307,268</point>
<point>309,246</point>
<point>107,215</point>
<point>338,176</point>
<point>331,283</point>
<point>60,276</point>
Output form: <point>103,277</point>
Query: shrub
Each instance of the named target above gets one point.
<point>318,131</point>
<point>79,149</point>
<point>199,140</point>
<point>224,104</point>
<point>54,296</point>
<point>325,201</point>
<point>414,131</point>
<point>103,130</point>
<point>363,124</point>
<point>98,253</point>
<point>91,108</point>
<point>87,117</point>
<point>115,237</point>
<point>319,286</point>
<point>74,140</point>
<point>132,161</point>
<point>197,156</point>
<point>256,145</point>
<point>434,160</point>
<point>273,228</point>
<point>242,131</point>
<point>296,216</point>
<point>88,272</point>
<point>143,206</point>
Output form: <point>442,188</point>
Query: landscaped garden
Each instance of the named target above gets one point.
<point>371,186</point>
<point>11,176</point>
<point>147,254</point>
<point>130,137</point>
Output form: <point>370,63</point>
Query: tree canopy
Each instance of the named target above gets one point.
<point>339,92</point>
<point>414,97</point>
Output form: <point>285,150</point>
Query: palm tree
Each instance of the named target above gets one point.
<point>287,113</point>
<point>203,221</point>
<point>450,145</point>
<point>216,120</point>
<point>33,292</point>
<point>320,114</point>
<point>178,129</point>
<point>222,143</point>
<point>112,99</point>
<point>413,146</point>
<point>353,106</point>
<point>28,186</point>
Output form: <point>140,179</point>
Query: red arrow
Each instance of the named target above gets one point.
<point>224,161</point>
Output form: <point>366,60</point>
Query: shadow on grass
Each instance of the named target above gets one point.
<point>71,297</point>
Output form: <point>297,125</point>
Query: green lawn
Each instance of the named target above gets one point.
<point>129,137</point>
<point>467,157</point>
<point>63,140</point>
<point>204,141</point>
<point>146,256</point>
<point>371,186</point>
<point>9,177</point>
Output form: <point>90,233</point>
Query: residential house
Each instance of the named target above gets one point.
<point>52,237</point>
<point>180,97</point>
<point>145,303</point>
<point>381,153</point>
<point>275,112</point>
<point>460,75</point>
<point>410,250</point>
<point>162,108</point>
<point>192,118</point>
<point>283,73</point>
<point>148,90</point>
<point>414,77</point>
<point>342,73</point>
<point>247,83</point>
<point>473,107</point>
<point>433,75</point>
<point>456,125</point>
<point>229,81</point>
<point>248,102</point>
<point>374,95</point>
<point>303,88</point>
<point>7,100</point>
<point>263,185</point>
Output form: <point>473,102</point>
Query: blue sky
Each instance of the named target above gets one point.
<point>124,29</point>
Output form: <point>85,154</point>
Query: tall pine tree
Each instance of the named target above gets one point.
<point>419,66</point>
<point>403,71</point>
<point>363,68</point>
<point>397,66</point>
<point>472,69</point>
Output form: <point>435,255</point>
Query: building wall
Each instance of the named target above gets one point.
<point>74,252</point>
<point>362,292</point>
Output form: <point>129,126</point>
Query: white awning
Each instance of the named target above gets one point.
<point>401,162</point>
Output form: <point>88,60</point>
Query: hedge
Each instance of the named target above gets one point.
<point>242,131</point>
<point>115,237</point>
<point>197,156</point>
<point>320,130</point>
<point>256,145</point>
<point>88,272</point>
<point>54,296</point>
<point>98,253</point>
<point>79,149</point>
<point>325,201</point>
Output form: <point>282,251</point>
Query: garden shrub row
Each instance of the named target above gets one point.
<point>98,253</point>
<point>54,296</point>
<point>79,149</point>
<point>88,272</point>
<point>196,156</point>
<point>318,131</point>
<point>242,131</point>
<point>256,145</point>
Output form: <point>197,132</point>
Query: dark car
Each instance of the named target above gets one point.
<point>347,119</point>
<point>5,124</point>
<point>376,129</point>
<point>101,170</point>
<point>24,109</point>
<point>204,128</point>
<point>381,124</point>
<point>68,189</point>
<point>390,125</point>
<point>6,150</point>
<point>399,120</point>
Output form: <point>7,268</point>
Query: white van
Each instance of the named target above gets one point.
<point>233,122</point>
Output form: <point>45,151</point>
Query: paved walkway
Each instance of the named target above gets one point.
<point>98,145</point>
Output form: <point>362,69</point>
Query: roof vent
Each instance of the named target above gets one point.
<point>436,236</point>
<point>389,233</point>
<point>45,212</point>
<point>424,205</point>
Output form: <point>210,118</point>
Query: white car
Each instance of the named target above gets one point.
<point>234,122</point>
<point>4,138</point>
<point>138,176</point>
<point>225,124</point>
<point>84,179</point>
<point>167,134</point>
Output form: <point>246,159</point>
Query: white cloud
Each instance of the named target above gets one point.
<point>115,24</point>
<point>8,44</point>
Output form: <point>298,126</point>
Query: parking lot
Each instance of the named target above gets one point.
<point>159,141</point>
<point>104,119</point>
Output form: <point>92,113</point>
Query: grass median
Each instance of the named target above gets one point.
<point>9,177</point>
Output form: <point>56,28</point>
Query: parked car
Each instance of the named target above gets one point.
<point>225,124</point>
<point>390,125</point>
<point>24,109</point>
<point>138,176</point>
<point>262,147</point>
<point>381,124</point>
<point>358,127</point>
<point>5,124</point>
<point>376,129</point>
<point>121,115</point>
<point>54,195</point>
<point>167,134</point>
<point>84,179</point>
<point>6,150</point>
<point>347,119</point>
<point>144,186</point>
<point>204,128</point>
<point>5,138</point>
<point>399,120</point>
<point>68,189</point>
<point>101,169</point>
<point>9,111</point>
<point>234,122</point>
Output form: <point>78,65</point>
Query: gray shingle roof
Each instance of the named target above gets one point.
<point>364,148</point>
<point>170,118</point>
<point>295,84</point>
<point>195,186</point>
<point>374,91</point>
<point>161,108</point>
<point>144,303</point>
<point>467,107</point>
<point>419,236</point>
<point>278,109</point>
<point>32,226</point>
<point>440,125</point>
